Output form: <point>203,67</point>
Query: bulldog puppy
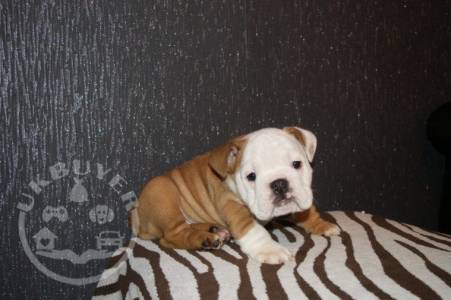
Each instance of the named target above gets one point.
<point>233,190</point>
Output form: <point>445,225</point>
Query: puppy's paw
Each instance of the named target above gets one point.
<point>322,227</point>
<point>272,253</point>
<point>223,233</point>
<point>215,238</point>
<point>212,242</point>
<point>258,244</point>
<point>332,230</point>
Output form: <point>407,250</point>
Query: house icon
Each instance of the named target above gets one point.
<point>45,239</point>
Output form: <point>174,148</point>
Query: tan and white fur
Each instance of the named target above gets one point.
<point>233,190</point>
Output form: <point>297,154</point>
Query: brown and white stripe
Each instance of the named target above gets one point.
<point>372,258</point>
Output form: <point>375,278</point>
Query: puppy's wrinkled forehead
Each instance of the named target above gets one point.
<point>270,143</point>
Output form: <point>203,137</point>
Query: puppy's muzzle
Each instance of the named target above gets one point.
<point>279,187</point>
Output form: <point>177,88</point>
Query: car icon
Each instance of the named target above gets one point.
<point>107,239</point>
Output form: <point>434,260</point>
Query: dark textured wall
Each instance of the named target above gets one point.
<point>137,87</point>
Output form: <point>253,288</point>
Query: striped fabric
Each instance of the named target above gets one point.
<point>373,258</point>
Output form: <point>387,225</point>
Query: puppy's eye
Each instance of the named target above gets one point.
<point>251,176</point>
<point>297,164</point>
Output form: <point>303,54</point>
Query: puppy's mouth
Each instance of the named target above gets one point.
<point>280,201</point>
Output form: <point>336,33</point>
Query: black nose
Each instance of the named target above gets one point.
<point>279,187</point>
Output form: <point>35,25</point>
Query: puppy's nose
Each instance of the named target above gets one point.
<point>279,187</point>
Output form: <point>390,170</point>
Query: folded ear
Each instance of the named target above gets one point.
<point>225,159</point>
<point>306,138</point>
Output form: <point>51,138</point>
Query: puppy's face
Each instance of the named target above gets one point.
<point>270,171</point>
<point>274,177</point>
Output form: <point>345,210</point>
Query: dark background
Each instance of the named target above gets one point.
<point>141,86</point>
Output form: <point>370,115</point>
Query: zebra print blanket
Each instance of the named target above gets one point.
<point>372,258</point>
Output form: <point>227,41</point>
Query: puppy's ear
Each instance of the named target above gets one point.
<point>224,159</point>
<point>306,138</point>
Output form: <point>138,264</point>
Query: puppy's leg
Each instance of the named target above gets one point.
<point>158,215</point>
<point>311,221</point>
<point>252,237</point>
<point>188,236</point>
<point>258,244</point>
<point>144,230</point>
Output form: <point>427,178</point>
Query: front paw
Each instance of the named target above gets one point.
<point>312,222</point>
<point>322,227</point>
<point>258,244</point>
<point>271,253</point>
<point>332,229</point>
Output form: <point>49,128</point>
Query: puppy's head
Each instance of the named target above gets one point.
<point>269,170</point>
